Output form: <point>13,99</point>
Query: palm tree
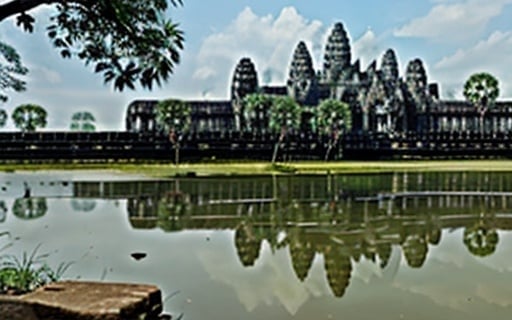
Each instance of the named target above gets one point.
<point>256,111</point>
<point>29,117</point>
<point>82,121</point>
<point>333,118</point>
<point>173,116</point>
<point>285,115</point>
<point>482,89</point>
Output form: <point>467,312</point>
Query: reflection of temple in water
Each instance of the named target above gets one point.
<point>343,219</point>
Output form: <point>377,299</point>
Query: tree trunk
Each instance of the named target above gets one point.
<point>332,142</point>
<point>176,154</point>
<point>276,146</point>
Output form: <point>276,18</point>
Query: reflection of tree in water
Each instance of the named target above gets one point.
<point>434,236</point>
<point>302,253</point>
<point>143,206</point>
<point>171,208</point>
<point>338,268</point>
<point>384,252</point>
<point>480,239</point>
<point>29,208</point>
<point>415,250</point>
<point>247,244</point>
<point>3,211</point>
<point>84,205</point>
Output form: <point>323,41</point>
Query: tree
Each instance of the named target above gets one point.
<point>10,68</point>
<point>29,208</point>
<point>173,116</point>
<point>285,115</point>
<point>129,41</point>
<point>82,121</point>
<point>256,110</point>
<point>28,117</point>
<point>333,118</point>
<point>482,89</point>
<point>3,118</point>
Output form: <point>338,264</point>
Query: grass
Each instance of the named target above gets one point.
<point>156,169</point>
<point>28,272</point>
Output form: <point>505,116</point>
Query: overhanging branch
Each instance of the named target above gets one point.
<point>18,6</point>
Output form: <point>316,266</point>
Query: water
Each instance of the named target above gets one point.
<point>395,246</point>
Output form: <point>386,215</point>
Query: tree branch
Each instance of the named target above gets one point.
<point>18,6</point>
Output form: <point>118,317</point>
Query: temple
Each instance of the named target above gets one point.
<point>381,100</point>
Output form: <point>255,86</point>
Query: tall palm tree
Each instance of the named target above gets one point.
<point>256,111</point>
<point>173,116</point>
<point>482,89</point>
<point>333,118</point>
<point>82,121</point>
<point>285,115</point>
<point>29,117</point>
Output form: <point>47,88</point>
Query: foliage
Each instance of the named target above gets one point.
<point>480,240</point>
<point>173,115</point>
<point>415,250</point>
<point>482,89</point>
<point>256,110</point>
<point>333,116</point>
<point>21,275</point>
<point>129,41</point>
<point>3,118</point>
<point>29,117</point>
<point>285,114</point>
<point>29,208</point>
<point>82,121</point>
<point>10,68</point>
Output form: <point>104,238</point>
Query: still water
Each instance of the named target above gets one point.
<point>390,246</point>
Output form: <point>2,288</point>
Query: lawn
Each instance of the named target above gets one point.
<point>265,168</point>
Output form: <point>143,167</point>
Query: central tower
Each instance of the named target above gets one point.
<point>337,55</point>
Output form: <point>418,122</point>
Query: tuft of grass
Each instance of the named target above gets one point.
<point>23,274</point>
<point>282,168</point>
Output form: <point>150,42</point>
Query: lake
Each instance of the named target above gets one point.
<point>392,246</point>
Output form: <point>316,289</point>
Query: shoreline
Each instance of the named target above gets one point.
<point>167,170</point>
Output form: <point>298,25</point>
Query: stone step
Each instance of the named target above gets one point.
<point>82,300</point>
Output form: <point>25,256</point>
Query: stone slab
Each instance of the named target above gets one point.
<point>85,301</point>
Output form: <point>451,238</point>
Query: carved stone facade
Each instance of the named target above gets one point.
<point>245,81</point>
<point>302,83</point>
<point>381,100</point>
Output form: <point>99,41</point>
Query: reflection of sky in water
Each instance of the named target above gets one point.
<point>202,269</point>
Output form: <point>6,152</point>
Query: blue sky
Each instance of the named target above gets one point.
<point>454,38</point>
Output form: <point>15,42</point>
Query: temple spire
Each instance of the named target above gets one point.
<point>337,56</point>
<point>302,78</point>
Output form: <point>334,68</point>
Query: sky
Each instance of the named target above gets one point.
<point>454,38</point>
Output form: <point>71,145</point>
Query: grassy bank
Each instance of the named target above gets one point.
<point>259,168</point>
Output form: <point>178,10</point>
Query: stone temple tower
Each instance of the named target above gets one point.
<point>245,82</point>
<point>337,55</point>
<point>302,84</point>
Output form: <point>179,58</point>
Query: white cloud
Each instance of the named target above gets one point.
<point>366,48</point>
<point>43,74</point>
<point>460,20</point>
<point>269,41</point>
<point>489,55</point>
